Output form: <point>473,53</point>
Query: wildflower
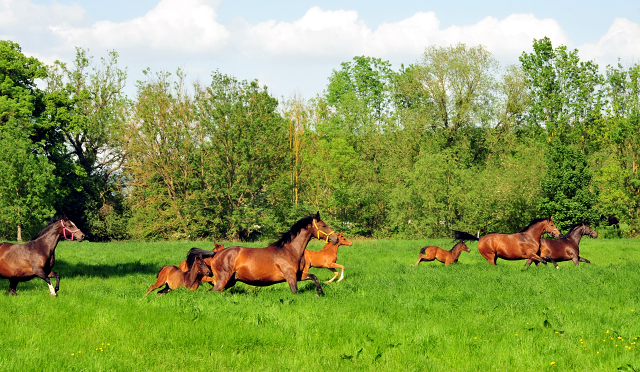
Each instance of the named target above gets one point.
<point>607,331</point>
<point>516,334</point>
<point>475,338</point>
<point>597,352</point>
<point>72,354</point>
<point>553,363</point>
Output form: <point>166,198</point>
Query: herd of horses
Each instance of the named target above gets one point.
<point>287,259</point>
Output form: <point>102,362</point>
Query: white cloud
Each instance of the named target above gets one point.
<point>325,32</point>
<point>173,25</point>
<point>622,40</point>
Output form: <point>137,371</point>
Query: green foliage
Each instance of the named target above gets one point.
<point>29,187</point>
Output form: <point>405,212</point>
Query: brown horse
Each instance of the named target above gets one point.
<point>432,252</point>
<point>280,261</point>
<point>524,244</point>
<point>174,278</point>
<point>565,248</point>
<point>208,257</point>
<point>326,258</point>
<point>23,262</point>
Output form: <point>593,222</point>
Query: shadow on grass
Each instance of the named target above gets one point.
<point>69,270</point>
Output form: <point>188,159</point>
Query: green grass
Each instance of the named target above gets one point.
<point>384,316</point>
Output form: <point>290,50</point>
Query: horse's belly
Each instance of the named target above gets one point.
<point>260,276</point>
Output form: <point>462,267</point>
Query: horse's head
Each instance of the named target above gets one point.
<point>201,266</point>
<point>587,230</point>
<point>69,230</point>
<point>343,241</point>
<point>322,230</point>
<point>463,246</point>
<point>551,228</point>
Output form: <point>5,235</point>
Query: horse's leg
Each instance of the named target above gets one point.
<point>548,258</point>
<point>221,281</point>
<point>44,276</point>
<point>164,290</point>
<point>419,260</point>
<point>162,279</point>
<point>584,260</point>
<point>306,276</point>
<point>54,274</point>
<point>335,275</point>
<point>488,253</point>
<point>13,284</point>
<point>341,274</point>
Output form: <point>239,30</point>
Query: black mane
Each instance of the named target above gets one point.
<point>573,227</point>
<point>46,229</point>
<point>533,222</point>
<point>286,237</point>
<point>194,252</point>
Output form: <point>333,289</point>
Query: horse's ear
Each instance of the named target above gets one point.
<point>551,218</point>
<point>317,216</point>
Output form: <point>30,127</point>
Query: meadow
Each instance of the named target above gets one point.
<point>384,316</point>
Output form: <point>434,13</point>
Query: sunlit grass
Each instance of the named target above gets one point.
<point>385,314</point>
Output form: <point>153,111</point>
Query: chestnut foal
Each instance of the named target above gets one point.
<point>326,258</point>
<point>173,277</point>
<point>432,252</point>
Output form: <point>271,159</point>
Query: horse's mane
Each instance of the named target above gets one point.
<point>51,222</point>
<point>286,237</point>
<point>533,222</point>
<point>194,252</point>
<point>573,227</point>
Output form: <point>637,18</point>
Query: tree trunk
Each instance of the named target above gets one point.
<point>19,232</point>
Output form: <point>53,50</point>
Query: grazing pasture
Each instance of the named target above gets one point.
<point>385,315</point>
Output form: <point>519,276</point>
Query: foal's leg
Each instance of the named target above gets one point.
<point>337,266</point>
<point>420,258</point>
<point>54,274</point>
<point>162,279</point>
<point>335,275</point>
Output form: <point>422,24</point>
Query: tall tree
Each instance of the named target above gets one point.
<point>565,105</point>
<point>88,104</point>
<point>29,187</point>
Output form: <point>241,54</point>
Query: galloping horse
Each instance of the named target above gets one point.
<point>432,252</point>
<point>208,257</point>
<point>524,244</point>
<point>326,258</point>
<point>279,262</point>
<point>173,277</point>
<point>23,262</point>
<point>565,248</point>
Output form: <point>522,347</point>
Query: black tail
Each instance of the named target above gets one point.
<point>464,236</point>
<point>194,252</point>
<point>423,250</point>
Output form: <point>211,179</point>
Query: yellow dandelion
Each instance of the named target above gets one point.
<point>619,338</point>
<point>516,334</point>
<point>553,363</point>
<point>616,345</point>
<point>582,342</point>
<point>108,344</point>
<point>36,348</point>
<point>518,340</point>
<point>96,349</point>
<point>557,332</point>
<point>607,331</point>
<point>580,339</point>
<point>79,352</point>
<point>102,344</point>
<point>72,354</point>
<point>597,352</point>
<point>475,338</point>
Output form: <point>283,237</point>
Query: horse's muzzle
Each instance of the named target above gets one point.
<point>334,238</point>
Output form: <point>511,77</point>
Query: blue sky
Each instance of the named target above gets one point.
<point>292,46</point>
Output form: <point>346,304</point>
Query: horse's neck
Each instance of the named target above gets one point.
<point>576,235</point>
<point>299,243</point>
<point>536,230</point>
<point>455,251</point>
<point>331,248</point>
<point>48,242</point>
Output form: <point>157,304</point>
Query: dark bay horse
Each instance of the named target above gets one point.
<point>524,244</point>
<point>326,258</point>
<point>565,248</point>
<point>174,278</point>
<point>280,261</point>
<point>23,262</point>
<point>430,253</point>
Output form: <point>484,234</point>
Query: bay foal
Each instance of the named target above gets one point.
<point>326,258</point>
<point>431,252</point>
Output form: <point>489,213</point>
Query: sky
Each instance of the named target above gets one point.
<point>292,47</point>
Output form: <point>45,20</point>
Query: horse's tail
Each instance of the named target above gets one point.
<point>424,249</point>
<point>464,236</point>
<point>194,252</point>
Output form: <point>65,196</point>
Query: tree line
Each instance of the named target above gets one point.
<point>451,141</point>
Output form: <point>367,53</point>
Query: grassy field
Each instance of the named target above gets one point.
<point>384,316</point>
